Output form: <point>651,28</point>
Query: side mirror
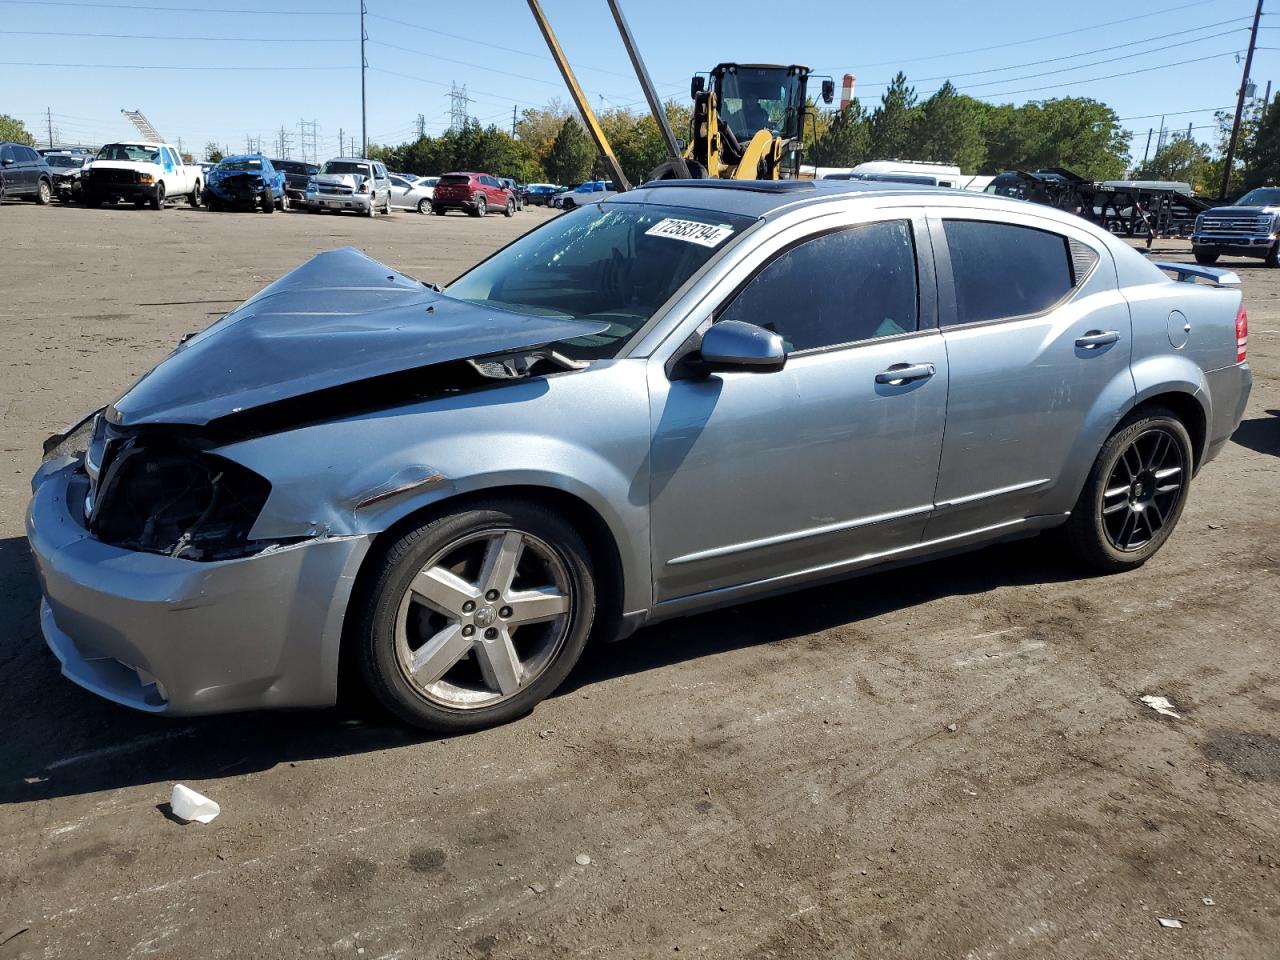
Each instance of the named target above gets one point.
<point>7,161</point>
<point>737,345</point>
<point>828,91</point>
<point>695,87</point>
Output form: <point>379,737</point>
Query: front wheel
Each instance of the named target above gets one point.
<point>477,616</point>
<point>268,201</point>
<point>1273,255</point>
<point>157,199</point>
<point>1206,259</point>
<point>1135,493</point>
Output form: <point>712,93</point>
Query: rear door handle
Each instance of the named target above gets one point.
<point>1097,338</point>
<point>905,373</point>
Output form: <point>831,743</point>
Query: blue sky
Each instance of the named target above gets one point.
<point>996,50</point>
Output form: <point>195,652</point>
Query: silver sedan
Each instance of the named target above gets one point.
<point>687,396</point>
<point>411,194</point>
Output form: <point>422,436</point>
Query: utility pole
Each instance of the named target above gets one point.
<point>364,68</point>
<point>1160,139</point>
<point>513,119</point>
<point>1235,126</point>
<point>48,114</point>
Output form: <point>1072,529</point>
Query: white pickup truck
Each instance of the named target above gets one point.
<point>142,172</point>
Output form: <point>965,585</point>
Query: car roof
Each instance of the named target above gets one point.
<point>756,198</point>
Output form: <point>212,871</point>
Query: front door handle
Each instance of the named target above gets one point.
<point>1097,338</point>
<point>901,373</point>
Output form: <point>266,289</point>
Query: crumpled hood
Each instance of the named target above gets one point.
<point>352,180</point>
<point>340,318</point>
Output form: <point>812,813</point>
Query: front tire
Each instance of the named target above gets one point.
<point>1273,255</point>
<point>268,201</point>
<point>1206,259</point>
<point>1135,493</point>
<point>477,616</point>
<point>157,201</point>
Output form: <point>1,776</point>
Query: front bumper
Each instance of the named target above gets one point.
<point>1234,245</point>
<point>125,191</point>
<point>166,635</point>
<point>343,201</point>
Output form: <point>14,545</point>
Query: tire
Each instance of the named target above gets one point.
<point>157,201</point>
<point>567,204</point>
<point>268,201</point>
<point>284,201</point>
<point>196,195</point>
<point>481,207</point>
<point>424,205</point>
<point>481,674</point>
<point>139,204</point>
<point>438,211</point>
<point>386,205</point>
<point>510,209</point>
<point>214,204</point>
<point>91,201</point>
<point>44,193</point>
<point>373,208</point>
<point>1273,255</point>
<point>1149,452</point>
<point>1206,259</point>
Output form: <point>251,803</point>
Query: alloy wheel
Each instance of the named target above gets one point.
<point>1143,489</point>
<point>483,618</point>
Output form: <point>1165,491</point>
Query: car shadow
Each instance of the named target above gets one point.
<point>1261,434</point>
<point>63,741</point>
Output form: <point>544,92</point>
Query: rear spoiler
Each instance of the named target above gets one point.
<point>1190,273</point>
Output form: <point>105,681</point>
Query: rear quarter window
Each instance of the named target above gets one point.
<point>1003,270</point>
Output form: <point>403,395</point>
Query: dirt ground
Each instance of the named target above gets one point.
<point>776,780</point>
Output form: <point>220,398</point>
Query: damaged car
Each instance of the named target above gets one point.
<point>656,405</point>
<point>246,182</point>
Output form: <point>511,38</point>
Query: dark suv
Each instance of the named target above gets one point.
<point>23,173</point>
<point>296,175</point>
<point>476,193</point>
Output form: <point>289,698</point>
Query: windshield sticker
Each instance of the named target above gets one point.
<point>690,231</point>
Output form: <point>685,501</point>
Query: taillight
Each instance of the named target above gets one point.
<point>1242,334</point>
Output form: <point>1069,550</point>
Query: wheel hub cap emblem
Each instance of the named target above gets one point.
<point>485,616</point>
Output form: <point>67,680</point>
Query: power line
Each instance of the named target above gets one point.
<point>1072,56</point>
<point>149,66</point>
<point>143,6</point>
<point>1048,36</point>
<point>1167,113</point>
<point>151,36</point>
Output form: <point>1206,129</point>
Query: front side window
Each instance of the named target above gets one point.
<point>614,263</point>
<point>1002,270</point>
<point>853,284</point>
<point>1260,197</point>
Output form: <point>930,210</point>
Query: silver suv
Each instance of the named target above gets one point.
<point>350,183</point>
<point>691,395</point>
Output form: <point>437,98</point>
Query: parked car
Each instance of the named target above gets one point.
<point>24,173</point>
<point>540,194</point>
<point>683,398</point>
<point>350,183</point>
<point>246,182</point>
<point>593,191</point>
<point>516,191</point>
<point>557,198</point>
<point>410,194</point>
<point>73,151</point>
<point>145,173</point>
<point>1246,228</point>
<point>473,193</point>
<point>66,169</point>
<point>296,174</point>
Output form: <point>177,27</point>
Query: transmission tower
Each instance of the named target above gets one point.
<point>422,126</point>
<point>282,144</point>
<point>309,140</point>
<point>458,101</point>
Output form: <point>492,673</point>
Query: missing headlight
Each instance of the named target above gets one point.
<point>166,498</point>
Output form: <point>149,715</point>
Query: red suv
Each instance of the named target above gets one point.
<point>476,193</point>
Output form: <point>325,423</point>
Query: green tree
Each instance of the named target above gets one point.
<point>846,140</point>
<point>1184,160</point>
<point>1261,152</point>
<point>1078,133</point>
<point>212,152</point>
<point>892,133</point>
<point>948,128</point>
<point>13,130</point>
<point>572,154</point>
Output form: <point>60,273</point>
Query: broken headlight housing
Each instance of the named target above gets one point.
<point>163,496</point>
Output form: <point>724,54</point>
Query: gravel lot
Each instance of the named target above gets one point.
<point>776,780</point>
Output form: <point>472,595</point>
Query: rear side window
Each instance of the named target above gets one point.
<point>854,284</point>
<point>1002,270</point>
<point>29,155</point>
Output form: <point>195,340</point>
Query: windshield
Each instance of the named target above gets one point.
<point>129,151</point>
<point>347,166</point>
<point>64,161</point>
<point>760,98</point>
<point>617,264</point>
<point>241,163</point>
<point>1261,197</point>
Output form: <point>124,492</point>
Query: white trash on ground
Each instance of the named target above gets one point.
<point>1162,706</point>
<point>1170,922</point>
<point>189,805</point>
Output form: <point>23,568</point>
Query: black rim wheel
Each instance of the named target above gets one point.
<point>1143,489</point>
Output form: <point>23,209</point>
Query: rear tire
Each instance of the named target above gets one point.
<point>1122,517</point>
<point>1206,259</point>
<point>438,211</point>
<point>43,193</point>
<point>196,195</point>
<point>481,207</point>
<point>463,690</point>
<point>510,210</point>
<point>424,205</point>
